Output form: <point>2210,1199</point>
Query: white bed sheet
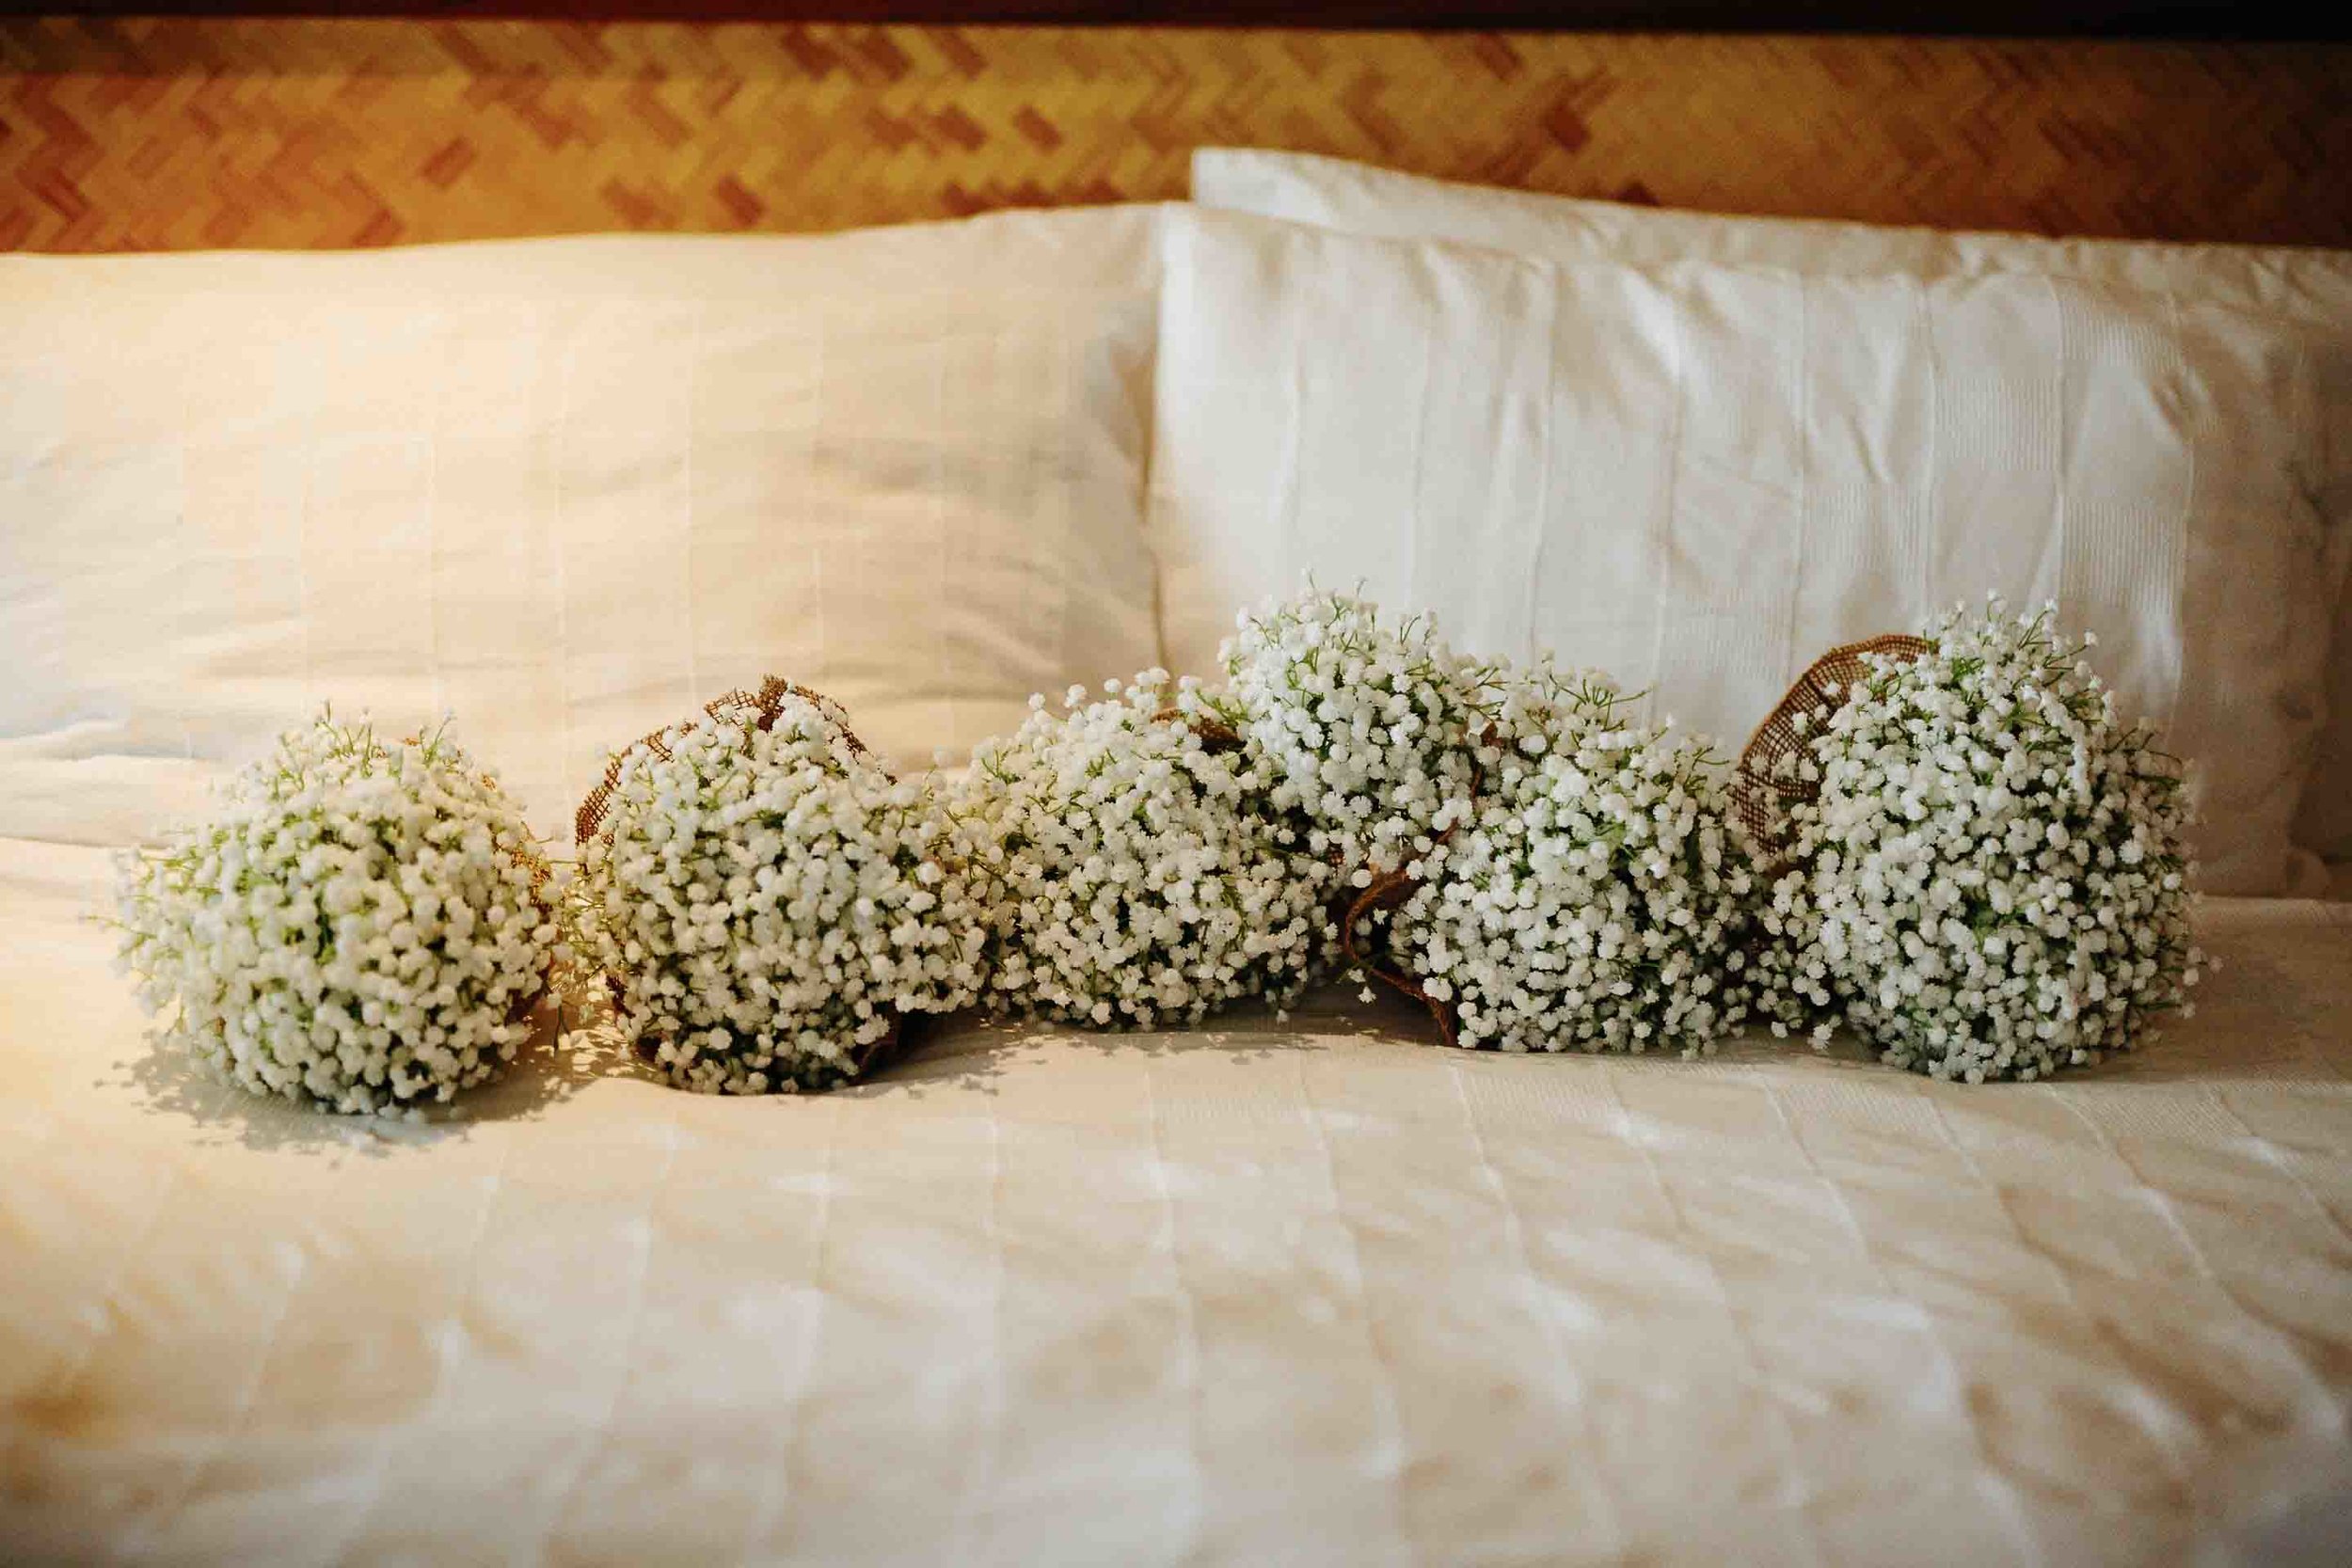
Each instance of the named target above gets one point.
<point>1316,1293</point>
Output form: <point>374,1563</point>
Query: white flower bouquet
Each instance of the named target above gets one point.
<point>1141,871</point>
<point>1988,880</point>
<point>1594,898</point>
<point>364,928</point>
<point>1978,867</point>
<point>1368,723</point>
<point>766,903</point>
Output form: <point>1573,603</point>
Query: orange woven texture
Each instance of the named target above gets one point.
<point>175,133</point>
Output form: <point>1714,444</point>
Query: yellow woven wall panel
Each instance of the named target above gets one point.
<point>175,133</point>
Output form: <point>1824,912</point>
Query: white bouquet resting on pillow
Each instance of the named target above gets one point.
<point>1991,883</point>
<point>768,904</point>
<point>364,928</point>
<point>1367,719</point>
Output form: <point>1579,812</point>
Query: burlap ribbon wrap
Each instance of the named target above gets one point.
<point>1768,782</point>
<point>1388,890</point>
<point>1216,736</point>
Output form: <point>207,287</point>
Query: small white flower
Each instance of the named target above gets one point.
<point>770,903</point>
<point>1366,720</point>
<point>362,929</point>
<point>1990,884</point>
<point>1140,869</point>
<point>1594,896</point>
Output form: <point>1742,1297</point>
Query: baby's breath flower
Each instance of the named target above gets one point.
<point>1366,720</point>
<point>1141,874</point>
<point>770,903</point>
<point>363,928</point>
<point>1592,899</point>
<point>1991,882</point>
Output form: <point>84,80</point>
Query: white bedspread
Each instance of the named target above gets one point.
<point>1316,1292</point>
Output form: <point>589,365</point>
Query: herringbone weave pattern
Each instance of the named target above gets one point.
<point>173,133</point>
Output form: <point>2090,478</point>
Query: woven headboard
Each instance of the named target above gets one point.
<point>200,133</point>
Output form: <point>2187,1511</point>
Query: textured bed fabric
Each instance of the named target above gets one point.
<point>569,489</point>
<point>1698,476</point>
<point>2310,289</point>
<point>1316,1293</point>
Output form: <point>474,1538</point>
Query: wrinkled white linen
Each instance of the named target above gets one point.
<point>1316,1293</point>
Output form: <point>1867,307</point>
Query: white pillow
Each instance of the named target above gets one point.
<point>2308,290</point>
<point>1698,476</point>
<point>568,490</point>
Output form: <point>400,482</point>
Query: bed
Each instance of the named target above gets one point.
<point>1308,1290</point>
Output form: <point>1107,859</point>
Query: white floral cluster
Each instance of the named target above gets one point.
<point>1368,722</point>
<point>1141,875</point>
<point>769,903</point>
<point>363,928</point>
<point>1594,898</point>
<point>1991,882</point>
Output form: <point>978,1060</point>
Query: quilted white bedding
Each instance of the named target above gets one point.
<point>1321,1291</point>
